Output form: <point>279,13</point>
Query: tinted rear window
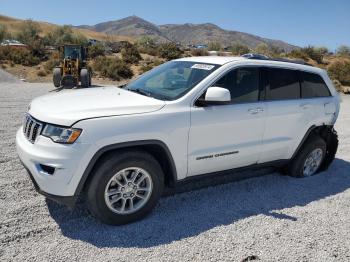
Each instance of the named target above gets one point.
<point>284,84</point>
<point>312,85</point>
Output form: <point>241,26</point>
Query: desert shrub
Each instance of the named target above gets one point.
<point>41,73</point>
<point>199,52</point>
<point>214,46</point>
<point>3,66</point>
<point>343,50</point>
<point>337,84</point>
<point>131,55</point>
<point>148,65</point>
<point>275,51</point>
<point>169,51</point>
<point>96,50</point>
<point>18,56</point>
<point>4,34</point>
<point>64,35</point>
<point>340,70</point>
<point>51,64</point>
<point>262,48</point>
<point>297,53</point>
<point>310,52</point>
<point>29,33</point>
<point>239,49</point>
<point>147,45</point>
<point>113,68</point>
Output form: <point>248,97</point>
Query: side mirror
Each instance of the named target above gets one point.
<point>215,96</point>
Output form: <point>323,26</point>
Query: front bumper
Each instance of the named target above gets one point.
<point>68,201</point>
<point>68,162</point>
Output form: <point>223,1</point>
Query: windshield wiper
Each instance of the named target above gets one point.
<point>140,91</point>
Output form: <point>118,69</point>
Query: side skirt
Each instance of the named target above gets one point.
<point>223,177</point>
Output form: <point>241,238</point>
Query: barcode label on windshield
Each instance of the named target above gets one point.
<point>202,66</point>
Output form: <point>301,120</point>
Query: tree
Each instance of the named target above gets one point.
<point>343,50</point>
<point>239,49</point>
<point>169,51</point>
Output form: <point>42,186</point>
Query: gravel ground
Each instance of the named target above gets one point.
<point>266,218</point>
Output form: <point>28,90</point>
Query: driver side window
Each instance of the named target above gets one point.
<point>243,84</point>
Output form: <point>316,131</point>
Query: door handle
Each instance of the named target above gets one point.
<point>256,110</point>
<point>305,106</point>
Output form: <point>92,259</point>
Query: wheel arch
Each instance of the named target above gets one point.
<point>156,148</point>
<point>329,135</point>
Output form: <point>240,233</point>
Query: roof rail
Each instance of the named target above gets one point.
<point>256,56</point>
<point>264,57</point>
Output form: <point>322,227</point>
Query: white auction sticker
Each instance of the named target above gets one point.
<point>203,66</point>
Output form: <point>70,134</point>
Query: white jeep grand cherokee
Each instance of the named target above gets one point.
<point>185,118</point>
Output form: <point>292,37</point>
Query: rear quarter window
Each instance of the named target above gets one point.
<point>313,85</point>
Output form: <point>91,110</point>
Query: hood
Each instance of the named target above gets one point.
<point>67,107</point>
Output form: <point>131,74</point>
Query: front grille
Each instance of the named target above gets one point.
<point>31,128</point>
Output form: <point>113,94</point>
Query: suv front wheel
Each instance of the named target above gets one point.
<point>125,187</point>
<point>309,159</point>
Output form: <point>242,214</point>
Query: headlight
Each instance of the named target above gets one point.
<point>58,134</point>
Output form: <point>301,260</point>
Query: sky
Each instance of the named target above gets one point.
<point>298,22</point>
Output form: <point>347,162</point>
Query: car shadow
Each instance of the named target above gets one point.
<point>192,213</point>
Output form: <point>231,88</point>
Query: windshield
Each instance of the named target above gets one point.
<point>72,52</point>
<point>171,80</point>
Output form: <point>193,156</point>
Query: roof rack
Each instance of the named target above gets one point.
<point>264,57</point>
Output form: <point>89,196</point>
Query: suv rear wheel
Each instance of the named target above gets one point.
<point>309,159</point>
<point>125,187</point>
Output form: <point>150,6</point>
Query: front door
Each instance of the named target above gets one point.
<point>228,136</point>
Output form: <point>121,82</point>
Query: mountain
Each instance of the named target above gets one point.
<point>13,25</point>
<point>136,27</point>
<point>132,26</point>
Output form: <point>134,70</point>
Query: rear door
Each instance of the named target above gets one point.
<point>287,114</point>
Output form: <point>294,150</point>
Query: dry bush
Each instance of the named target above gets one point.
<point>41,73</point>
<point>199,52</point>
<point>340,69</point>
<point>96,50</point>
<point>150,64</point>
<point>131,55</point>
<point>169,51</point>
<point>239,49</point>
<point>113,68</point>
<point>51,64</point>
<point>18,56</point>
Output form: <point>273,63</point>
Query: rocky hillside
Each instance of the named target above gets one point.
<point>134,26</point>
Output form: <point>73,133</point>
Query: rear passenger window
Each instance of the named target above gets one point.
<point>284,84</point>
<point>243,84</point>
<point>312,85</point>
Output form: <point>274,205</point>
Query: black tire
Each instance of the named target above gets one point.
<point>110,166</point>
<point>84,77</point>
<point>296,167</point>
<point>57,77</point>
